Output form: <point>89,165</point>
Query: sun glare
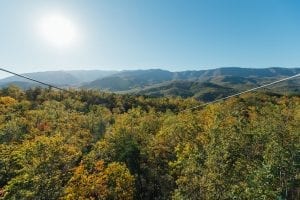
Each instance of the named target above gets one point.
<point>57,30</point>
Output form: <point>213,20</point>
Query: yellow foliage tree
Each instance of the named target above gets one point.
<point>101,182</point>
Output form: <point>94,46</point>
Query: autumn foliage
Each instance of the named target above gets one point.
<point>94,145</point>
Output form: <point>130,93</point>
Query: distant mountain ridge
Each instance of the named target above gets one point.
<point>139,79</point>
<point>126,80</point>
<point>59,78</point>
<point>242,72</point>
<point>202,84</point>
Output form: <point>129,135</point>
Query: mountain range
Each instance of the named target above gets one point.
<point>202,84</point>
<point>59,78</point>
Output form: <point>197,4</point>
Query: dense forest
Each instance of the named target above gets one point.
<point>92,145</point>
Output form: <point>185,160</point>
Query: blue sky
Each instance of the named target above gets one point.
<point>169,34</point>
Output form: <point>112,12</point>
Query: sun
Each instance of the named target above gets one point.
<point>57,30</point>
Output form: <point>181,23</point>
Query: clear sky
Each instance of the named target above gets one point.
<point>129,34</point>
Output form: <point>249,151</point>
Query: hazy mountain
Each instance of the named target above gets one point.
<point>89,75</point>
<point>127,80</point>
<point>20,84</point>
<point>58,78</point>
<point>147,76</point>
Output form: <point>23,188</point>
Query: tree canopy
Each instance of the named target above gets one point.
<point>94,145</point>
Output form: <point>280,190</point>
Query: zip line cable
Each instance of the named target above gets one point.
<point>31,79</point>
<point>243,92</point>
<point>205,104</point>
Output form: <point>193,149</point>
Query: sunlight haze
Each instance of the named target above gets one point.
<point>57,30</point>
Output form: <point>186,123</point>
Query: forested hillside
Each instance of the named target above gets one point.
<point>150,81</point>
<point>93,145</point>
<point>232,77</point>
<point>217,87</point>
